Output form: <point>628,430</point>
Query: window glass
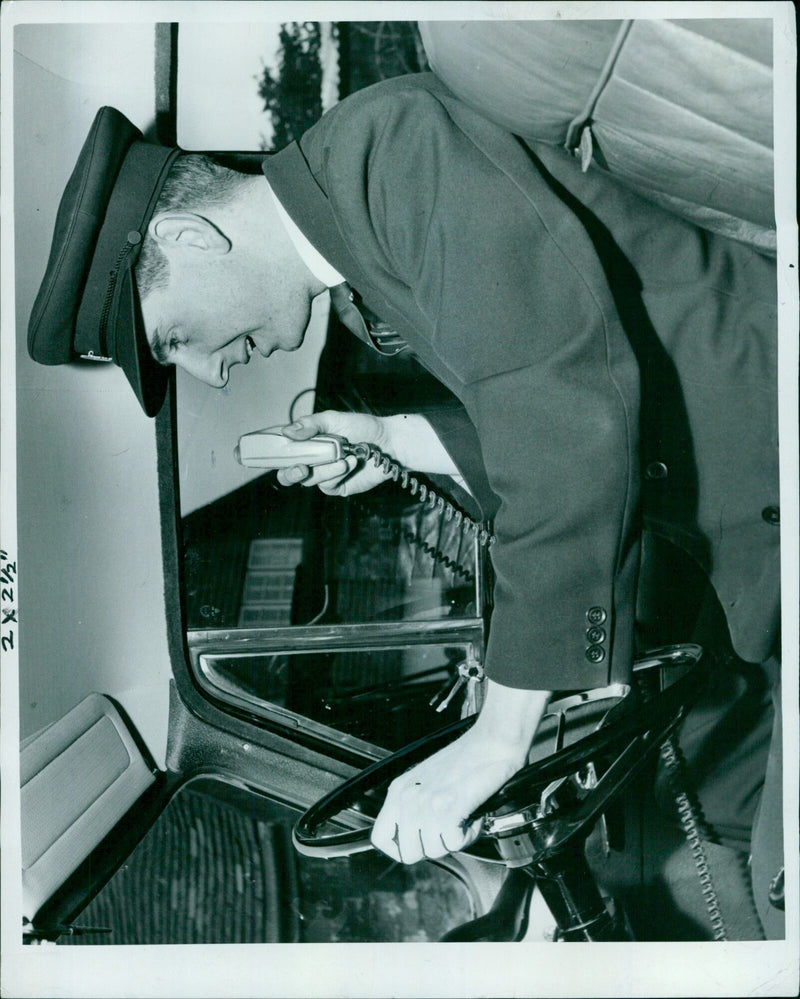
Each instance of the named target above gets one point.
<point>265,556</point>
<point>219,68</point>
<point>386,696</point>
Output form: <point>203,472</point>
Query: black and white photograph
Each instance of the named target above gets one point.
<point>399,537</point>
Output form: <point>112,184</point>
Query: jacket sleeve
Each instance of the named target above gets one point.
<point>521,320</point>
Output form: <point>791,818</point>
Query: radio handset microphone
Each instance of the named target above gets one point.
<point>269,449</point>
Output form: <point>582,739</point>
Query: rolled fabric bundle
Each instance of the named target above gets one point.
<point>678,110</point>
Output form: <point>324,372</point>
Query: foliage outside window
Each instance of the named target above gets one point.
<point>369,51</point>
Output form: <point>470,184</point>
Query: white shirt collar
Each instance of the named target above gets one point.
<point>310,256</point>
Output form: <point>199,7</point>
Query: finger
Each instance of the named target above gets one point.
<point>294,474</point>
<point>329,473</point>
<point>385,836</point>
<point>340,486</point>
<point>332,472</point>
<point>390,833</point>
<point>439,840</point>
<point>433,843</point>
<point>397,840</point>
<point>323,474</point>
<point>409,843</point>
<point>464,836</point>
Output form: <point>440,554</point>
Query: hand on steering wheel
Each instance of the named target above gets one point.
<point>426,809</point>
<point>630,730</point>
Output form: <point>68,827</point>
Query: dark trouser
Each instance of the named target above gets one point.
<point>731,739</point>
<point>731,743</point>
<point>767,840</point>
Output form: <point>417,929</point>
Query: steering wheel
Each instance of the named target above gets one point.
<point>576,735</point>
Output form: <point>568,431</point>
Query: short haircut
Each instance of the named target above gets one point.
<point>195,183</point>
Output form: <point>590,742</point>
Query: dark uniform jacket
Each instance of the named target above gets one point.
<point>613,363</point>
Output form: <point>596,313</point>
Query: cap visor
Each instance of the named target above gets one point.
<point>148,378</point>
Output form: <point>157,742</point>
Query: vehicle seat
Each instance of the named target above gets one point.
<point>92,751</point>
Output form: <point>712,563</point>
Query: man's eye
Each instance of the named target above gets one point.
<point>173,344</point>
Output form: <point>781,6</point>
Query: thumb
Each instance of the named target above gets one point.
<point>464,837</point>
<point>473,831</point>
<point>305,427</point>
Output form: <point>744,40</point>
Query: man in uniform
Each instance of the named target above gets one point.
<point>616,368</point>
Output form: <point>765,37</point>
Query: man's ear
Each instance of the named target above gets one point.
<point>186,230</point>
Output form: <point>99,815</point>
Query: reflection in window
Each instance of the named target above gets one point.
<point>267,557</point>
<point>385,696</point>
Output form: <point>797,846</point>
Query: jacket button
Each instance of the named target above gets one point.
<point>772,514</point>
<point>595,654</point>
<point>656,470</point>
<point>595,635</point>
<point>596,615</point>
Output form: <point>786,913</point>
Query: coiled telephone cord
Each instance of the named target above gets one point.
<point>440,557</point>
<point>689,823</point>
<point>368,452</point>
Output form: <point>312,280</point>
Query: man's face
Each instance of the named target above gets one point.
<point>219,311</point>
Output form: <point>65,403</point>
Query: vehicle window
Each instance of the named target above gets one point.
<point>219,867</point>
<point>264,556</point>
<point>345,618</point>
<point>384,695</point>
<point>351,613</point>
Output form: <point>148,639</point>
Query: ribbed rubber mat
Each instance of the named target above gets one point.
<point>204,874</point>
<point>219,867</point>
